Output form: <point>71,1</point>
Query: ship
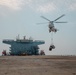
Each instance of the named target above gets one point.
<point>23,46</point>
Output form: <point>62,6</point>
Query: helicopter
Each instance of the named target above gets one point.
<point>51,23</point>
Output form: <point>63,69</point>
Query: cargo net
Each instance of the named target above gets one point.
<point>52,44</point>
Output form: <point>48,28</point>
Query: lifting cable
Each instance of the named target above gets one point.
<point>51,38</point>
<point>52,44</point>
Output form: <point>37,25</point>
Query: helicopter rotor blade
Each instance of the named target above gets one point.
<point>45,18</point>
<point>43,23</point>
<point>60,22</point>
<point>59,17</point>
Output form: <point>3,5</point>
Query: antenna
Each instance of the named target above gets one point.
<point>18,37</point>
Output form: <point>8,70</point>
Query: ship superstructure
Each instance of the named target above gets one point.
<point>23,46</point>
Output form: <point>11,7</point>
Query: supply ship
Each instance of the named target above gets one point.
<point>23,46</point>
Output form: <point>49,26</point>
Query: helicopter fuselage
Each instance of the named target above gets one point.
<point>52,28</point>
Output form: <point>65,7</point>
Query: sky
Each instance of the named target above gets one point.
<point>20,17</point>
